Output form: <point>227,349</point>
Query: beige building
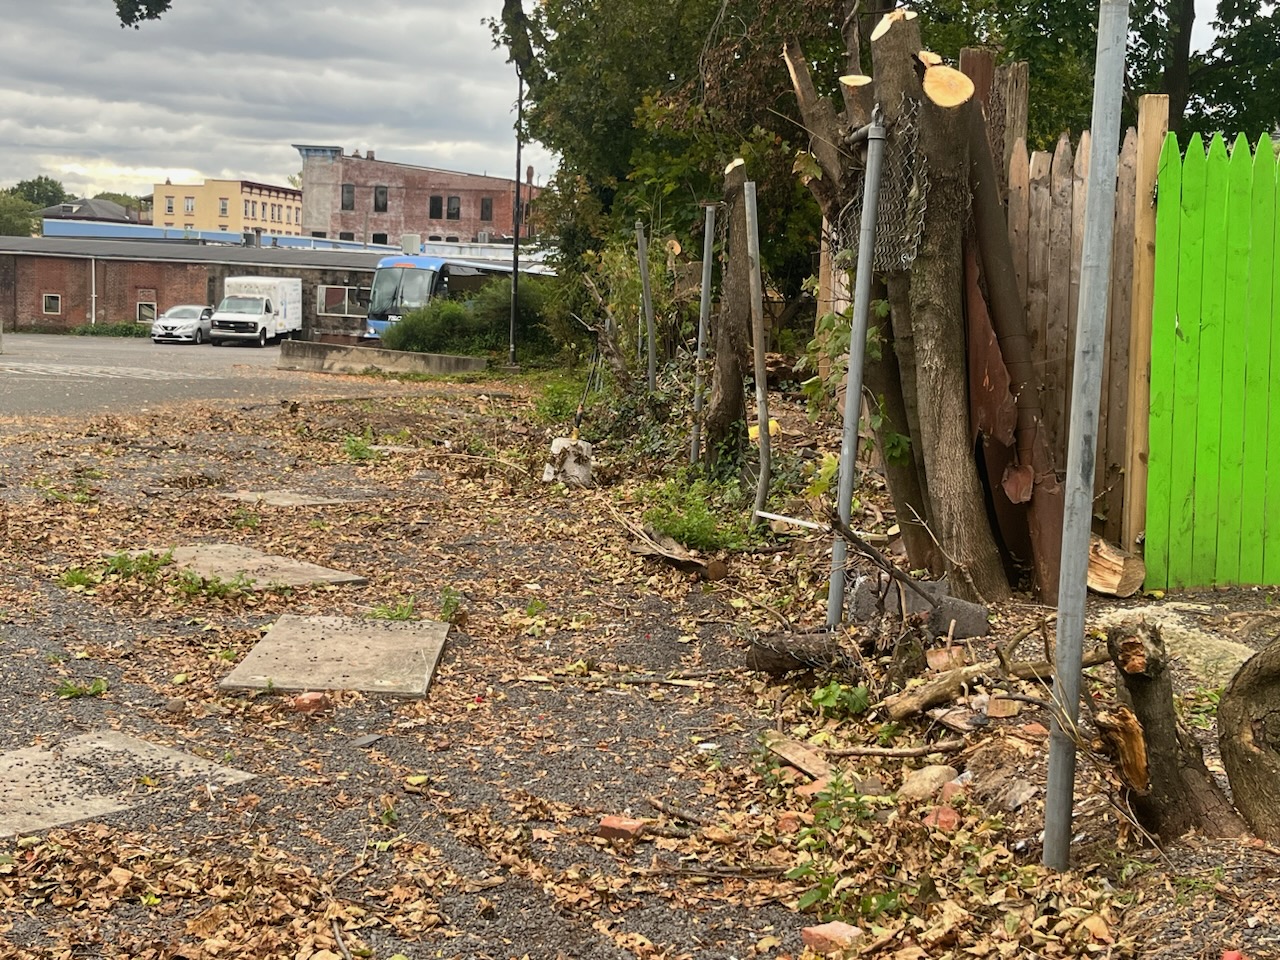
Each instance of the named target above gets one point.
<point>236,206</point>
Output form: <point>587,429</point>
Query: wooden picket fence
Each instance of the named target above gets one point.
<point>1047,197</point>
<point>1213,502</point>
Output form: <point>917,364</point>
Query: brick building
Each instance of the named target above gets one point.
<point>354,197</point>
<point>54,283</point>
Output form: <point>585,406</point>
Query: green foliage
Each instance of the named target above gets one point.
<point>145,566</point>
<point>837,814</point>
<point>41,191</point>
<point>133,12</point>
<point>70,690</point>
<point>450,604</point>
<point>698,513</point>
<point>1199,707</point>
<point>839,701</point>
<point>244,519</point>
<point>191,585</point>
<point>360,448</point>
<point>112,330</point>
<point>479,326</point>
<point>558,402</point>
<point>17,216</point>
<point>124,199</point>
<point>401,609</point>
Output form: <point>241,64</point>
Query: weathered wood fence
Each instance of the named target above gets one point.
<point>1047,196</point>
<point>1213,503</point>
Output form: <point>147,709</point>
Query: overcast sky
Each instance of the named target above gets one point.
<point>221,88</point>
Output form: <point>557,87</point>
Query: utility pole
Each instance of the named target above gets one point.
<point>1091,334</point>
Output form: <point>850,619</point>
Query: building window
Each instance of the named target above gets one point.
<point>435,210</point>
<point>319,233</point>
<point>434,238</point>
<point>379,238</point>
<point>339,302</point>
<point>455,209</point>
<point>224,205</point>
<point>223,227</point>
<point>288,215</point>
<point>146,312</point>
<point>379,199</point>
<point>188,226</point>
<point>246,209</point>
<point>348,196</point>
<point>189,205</point>
<point>53,303</point>
<point>346,235</point>
<point>168,205</point>
<point>450,239</point>
<point>486,209</point>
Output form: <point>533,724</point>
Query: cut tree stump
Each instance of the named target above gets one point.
<point>1249,738</point>
<point>1181,794</point>
<point>1112,571</point>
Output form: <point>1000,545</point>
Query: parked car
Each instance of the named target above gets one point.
<point>185,323</point>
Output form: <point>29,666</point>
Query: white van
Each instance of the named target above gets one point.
<point>258,309</point>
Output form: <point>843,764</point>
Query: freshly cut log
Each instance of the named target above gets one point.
<point>929,58</point>
<point>947,86</point>
<point>1112,571</point>
<point>855,80</point>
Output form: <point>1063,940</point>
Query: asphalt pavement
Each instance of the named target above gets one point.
<point>51,375</point>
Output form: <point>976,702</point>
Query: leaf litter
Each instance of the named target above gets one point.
<point>580,681</point>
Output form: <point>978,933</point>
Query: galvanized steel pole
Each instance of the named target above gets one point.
<point>516,216</point>
<point>1091,329</point>
<point>704,317</point>
<point>857,352</point>
<point>758,336</point>
<point>642,246</point>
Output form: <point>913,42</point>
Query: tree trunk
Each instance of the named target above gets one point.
<point>973,562</point>
<point>882,379</point>
<point>726,416</point>
<point>1249,738</point>
<point>1180,794</point>
<point>1177,61</point>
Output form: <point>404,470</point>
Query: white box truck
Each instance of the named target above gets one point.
<point>257,309</point>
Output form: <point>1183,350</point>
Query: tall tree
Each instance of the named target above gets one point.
<point>133,12</point>
<point>17,216</point>
<point>42,191</point>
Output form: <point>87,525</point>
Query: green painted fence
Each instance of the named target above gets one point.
<point>1213,485</point>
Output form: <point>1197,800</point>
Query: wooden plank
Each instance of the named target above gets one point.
<point>1018,212</point>
<point>1271,516</point>
<point>798,755</point>
<point>1235,304</point>
<point>1165,262</point>
<point>1016,88</point>
<point>1256,536</point>
<point>1213,292</point>
<point>1115,383</point>
<point>1153,128</point>
<point>1039,207</point>
<point>1186,319</point>
<point>1058,321</point>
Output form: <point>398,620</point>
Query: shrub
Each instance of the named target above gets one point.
<point>112,330</point>
<point>478,326</point>
<point>699,514</point>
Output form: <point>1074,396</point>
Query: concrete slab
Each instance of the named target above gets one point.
<point>282,498</point>
<point>93,775</point>
<point>229,560</point>
<point>1211,658</point>
<point>397,658</point>
<point>334,358</point>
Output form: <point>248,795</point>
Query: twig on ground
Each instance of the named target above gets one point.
<point>942,746</point>
<point>778,615</point>
<point>337,935</point>
<point>679,813</point>
<point>748,871</point>
<point>878,558</point>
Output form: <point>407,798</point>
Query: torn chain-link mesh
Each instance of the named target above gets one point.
<point>901,207</point>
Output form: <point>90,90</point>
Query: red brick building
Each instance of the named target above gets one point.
<point>354,197</point>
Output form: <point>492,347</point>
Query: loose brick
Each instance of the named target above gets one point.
<point>830,937</point>
<point>950,791</point>
<point>309,703</point>
<point>943,818</point>
<point>945,658</point>
<point>620,828</point>
<point>814,788</point>
<point>1037,730</point>
<point>1002,707</point>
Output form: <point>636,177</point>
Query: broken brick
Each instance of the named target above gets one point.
<point>1037,730</point>
<point>951,790</point>
<point>943,818</point>
<point>815,788</point>
<point>309,703</point>
<point>620,828</point>
<point>1001,707</point>
<point>945,658</point>
<point>830,937</point>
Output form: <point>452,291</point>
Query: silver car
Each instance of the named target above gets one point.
<point>185,323</point>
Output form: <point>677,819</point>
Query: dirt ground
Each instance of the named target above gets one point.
<point>579,681</point>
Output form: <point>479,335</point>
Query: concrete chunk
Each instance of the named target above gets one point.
<point>228,561</point>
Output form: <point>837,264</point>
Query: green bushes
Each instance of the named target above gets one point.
<point>478,326</point>
<point>112,330</point>
<point>700,514</point>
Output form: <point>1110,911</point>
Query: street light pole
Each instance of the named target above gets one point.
<point>515,222</point>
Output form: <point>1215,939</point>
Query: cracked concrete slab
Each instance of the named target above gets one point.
<point>396,658</point>
<point>228,561</point>
<point>282,498</point>
<point>1211,658</point>
<point>93,775</point>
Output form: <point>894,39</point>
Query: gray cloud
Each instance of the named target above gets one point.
<point>221,89</point>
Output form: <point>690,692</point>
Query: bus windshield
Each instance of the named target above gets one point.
<point>397,290</point>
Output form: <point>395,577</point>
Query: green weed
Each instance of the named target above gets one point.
<point>399,610</point>
<point>244,519</point>
<point>70,690</point>
<point>79,578</point>
<point>700,514</point>
<point>450,604</point>
<point>839,701</point>
<point>359,448</point>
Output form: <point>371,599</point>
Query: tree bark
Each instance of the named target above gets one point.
<point>1180,793</point>
<point>1177,61</point>
<point>974,566</point>
<point>726,416</point>
<point>1249,738</point>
